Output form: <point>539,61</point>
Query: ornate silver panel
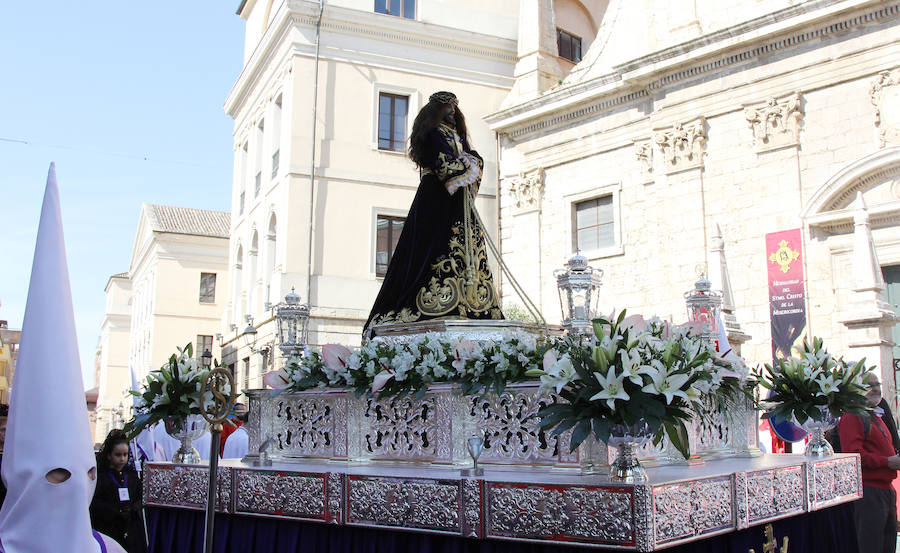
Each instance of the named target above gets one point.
<point>335,498</point>
<point>643,517</point>
<point>741,507</point>
<point>294,494</point>
<point>692,508</point>
<point>186,486</point>
<point>406,428</point>
<point>471,508</point>
<point>833,481</point>
<point>404,502</point>
<point>561,513</point>
<point>511,427</point>
<point>775,493</point>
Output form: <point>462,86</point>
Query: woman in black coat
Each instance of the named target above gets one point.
<point>116,507</point>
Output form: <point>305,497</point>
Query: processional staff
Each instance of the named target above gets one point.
<point>220,383</point>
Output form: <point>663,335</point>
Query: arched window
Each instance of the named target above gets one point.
<point>269,276</point>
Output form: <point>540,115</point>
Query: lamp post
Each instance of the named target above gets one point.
<point>248,336</point>
<point>703,306</point>
<point>293,324</point>
<point>579,291</point>
<point>206,358</point>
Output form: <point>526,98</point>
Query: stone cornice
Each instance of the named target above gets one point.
<point>783,30</point>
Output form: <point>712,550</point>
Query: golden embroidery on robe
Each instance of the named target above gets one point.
<point>404,316</point>
<point>447,291</point>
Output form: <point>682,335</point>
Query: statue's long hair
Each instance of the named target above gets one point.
<point>428,118</point>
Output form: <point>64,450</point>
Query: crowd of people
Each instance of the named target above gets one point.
<point>116,509</point>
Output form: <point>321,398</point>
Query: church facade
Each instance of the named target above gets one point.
<point>691,131</point>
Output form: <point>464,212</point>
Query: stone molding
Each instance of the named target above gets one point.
<point>682,146</point>
<point>885,95</point>
<point>527,190</point>
<point>776,122</point>
<point>643,154</point>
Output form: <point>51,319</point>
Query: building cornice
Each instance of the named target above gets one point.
<point>302,14</point>
<point>638,78</point>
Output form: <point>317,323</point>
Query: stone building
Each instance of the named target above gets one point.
<point>328,233</point>
<point>174,292</point>
<point>689,131</point>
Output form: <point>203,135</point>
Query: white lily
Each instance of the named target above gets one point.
<point>668,385</point>
<point>827,385</point>
<point>612,388</point>
<point>632,368</point>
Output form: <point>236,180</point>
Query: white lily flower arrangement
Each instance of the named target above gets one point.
<point>173,390</point>
<point>632,370</point>
<point>801,386</point>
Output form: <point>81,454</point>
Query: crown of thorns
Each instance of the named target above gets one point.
<point>443,98</point>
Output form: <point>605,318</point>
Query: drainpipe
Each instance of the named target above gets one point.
<point>312,163</point>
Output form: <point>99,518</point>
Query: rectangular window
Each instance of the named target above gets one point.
<point>204,343</point>
<point>275,163</point>
<point>386,236</point>
<point>400,8</point>
<point>276,134</point>
<point>392,110</point>
<point>594,224</point>
<point>246,375</point>
<point>257,182</point>
<point>207,287</point>
<point>569,46</point>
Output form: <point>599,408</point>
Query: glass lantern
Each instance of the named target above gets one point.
<point>579,293</point>
<point>703,305</point>
<point>293,323</point>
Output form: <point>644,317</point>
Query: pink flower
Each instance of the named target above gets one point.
<point>381,379</point>
<point>463,351</point>
<point>635,322</point>
<point>335,356</point>
<point>277,380</point>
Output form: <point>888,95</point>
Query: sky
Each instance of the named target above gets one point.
<point>126,98</point>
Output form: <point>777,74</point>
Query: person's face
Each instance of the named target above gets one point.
<point>118,457</point>
<point>448,114</point>
<point>874,393</point>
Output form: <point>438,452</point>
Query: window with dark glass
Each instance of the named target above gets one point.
<point>204,343</point>
<point>400,8</point>
<point>207,287</point>
<point>246,372</point>
<point>387,234</point>
<point>569,46</point>
<point>392,110</point>
<point>593,222</point>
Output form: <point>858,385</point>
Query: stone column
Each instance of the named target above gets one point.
<point>537,68</point>
<point>870,317</point>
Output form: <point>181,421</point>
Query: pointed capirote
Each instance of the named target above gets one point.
<point>48,436</point>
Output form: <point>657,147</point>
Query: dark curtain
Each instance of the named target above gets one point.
<point>181,531</point>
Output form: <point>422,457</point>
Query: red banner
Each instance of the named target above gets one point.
<point>787,291</point>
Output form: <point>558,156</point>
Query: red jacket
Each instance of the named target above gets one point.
<point>227,430</point>
<point>874,448</point>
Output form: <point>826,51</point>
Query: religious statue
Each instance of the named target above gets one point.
<point>439,269</point>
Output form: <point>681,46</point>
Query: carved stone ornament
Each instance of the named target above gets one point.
<point>527,190</point>
<point>643,153</point>
<point>775,123</point>
<point>885,95</point>
<point>683,146</point>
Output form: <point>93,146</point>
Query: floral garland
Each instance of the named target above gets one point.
<point>390,369</point>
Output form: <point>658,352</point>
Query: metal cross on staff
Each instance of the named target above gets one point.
<point>220,383</point>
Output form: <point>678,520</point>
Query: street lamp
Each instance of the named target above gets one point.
<point>703,305</point>
<point>293,324</point>
<point>579,291</point>
<point>248,336</point>
<point>206,358</point>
